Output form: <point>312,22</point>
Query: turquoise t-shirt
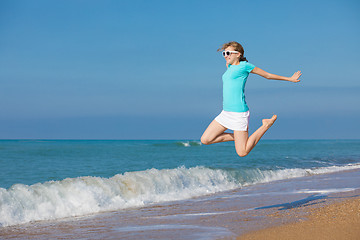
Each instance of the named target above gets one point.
<point>234,80</point>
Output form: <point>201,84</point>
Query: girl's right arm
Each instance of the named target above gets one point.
<point>294,78</point>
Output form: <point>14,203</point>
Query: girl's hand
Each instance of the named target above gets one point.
<point>295,78</point>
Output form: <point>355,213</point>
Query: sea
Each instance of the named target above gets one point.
<point>54,182</point>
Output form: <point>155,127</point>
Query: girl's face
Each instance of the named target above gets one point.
<point>233,58</point>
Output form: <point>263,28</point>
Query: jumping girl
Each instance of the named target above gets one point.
<point>235,114</point>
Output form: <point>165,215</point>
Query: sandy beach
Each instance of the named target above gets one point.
<point>339,220</point>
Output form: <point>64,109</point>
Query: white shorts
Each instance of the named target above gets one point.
<point>237,121</point>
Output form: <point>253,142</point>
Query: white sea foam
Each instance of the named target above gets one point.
<point>186,144</point>
<point>190,143</point>
<point>86,195</point>
<point>274,175</point>
<point>325,191</point>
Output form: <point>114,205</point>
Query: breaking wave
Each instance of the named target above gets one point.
<point>86,195</point>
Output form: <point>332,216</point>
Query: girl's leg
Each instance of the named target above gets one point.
<point>243,144</point>
<point>215,133</point>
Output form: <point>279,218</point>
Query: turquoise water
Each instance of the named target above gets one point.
<point>33,161</point>
<point>49,179</point>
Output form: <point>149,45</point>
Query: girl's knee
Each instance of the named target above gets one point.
<point>242,153</point>
<point>205,141</point>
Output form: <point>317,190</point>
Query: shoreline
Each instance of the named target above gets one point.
<point>225,215</point>
<point>338,219</point>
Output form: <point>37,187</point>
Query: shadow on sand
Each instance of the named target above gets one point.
<point>310,200</point>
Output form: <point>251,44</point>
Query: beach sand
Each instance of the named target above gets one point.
<point>339,220</point>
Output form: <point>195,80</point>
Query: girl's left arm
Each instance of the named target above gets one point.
<point>294,78</point>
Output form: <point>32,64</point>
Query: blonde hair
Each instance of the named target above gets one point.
<point>237,46</point>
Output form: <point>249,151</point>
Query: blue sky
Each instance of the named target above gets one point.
<point>150,69</point>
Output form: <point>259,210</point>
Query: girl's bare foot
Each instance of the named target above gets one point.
<point>269,122</point>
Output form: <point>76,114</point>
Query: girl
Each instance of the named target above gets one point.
<point>235,114</point>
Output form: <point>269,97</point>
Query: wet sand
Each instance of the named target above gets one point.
<point>333,221</point>
<point>225,215</point>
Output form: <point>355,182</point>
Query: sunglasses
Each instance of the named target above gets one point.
<point>228,53</point>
